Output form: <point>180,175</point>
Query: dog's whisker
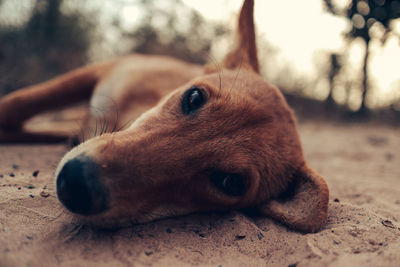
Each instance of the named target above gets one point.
<point>236,76</point>
<point>124,125</point>
<point>94,116</point>
<point>95,131</point>
<point>81,130</point>
<point>102,115</point>
<point>117,119</point>
<point>103,123</point>
<point>219,71</point>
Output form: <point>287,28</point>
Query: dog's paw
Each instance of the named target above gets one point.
<point>9,121</point>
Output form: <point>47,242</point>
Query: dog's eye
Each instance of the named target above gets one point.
<point>192,100</point>
<point>229,183</point>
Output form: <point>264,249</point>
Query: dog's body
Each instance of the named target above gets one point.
<point>201,138</point>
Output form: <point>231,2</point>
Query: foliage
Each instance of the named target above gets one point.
<point>189,39</point>
<point>49,43</point>
<point>52,41</point>
<point>363,15</point>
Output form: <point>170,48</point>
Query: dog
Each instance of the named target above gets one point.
<point>202,138</point>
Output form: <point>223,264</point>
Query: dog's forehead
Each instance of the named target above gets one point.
<point>243,82</point>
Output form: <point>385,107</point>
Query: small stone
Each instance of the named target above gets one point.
<point>240,237</point>
<point>35,173</point>
<point>336,200</point>
<point>44,194</point>
<point>15,166</point>
<point>12,175</point>
<point>388,223</point>
<point>32,196</point>
<point>260,236</point>
<point>31,186</point>
<point>148,253</point>
<point>389,156</point>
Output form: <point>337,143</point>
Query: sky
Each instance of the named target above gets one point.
<point>299,36</point>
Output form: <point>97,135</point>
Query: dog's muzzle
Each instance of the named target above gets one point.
<point>79,187</point>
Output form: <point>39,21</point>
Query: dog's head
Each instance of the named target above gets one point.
<point>226,140</point>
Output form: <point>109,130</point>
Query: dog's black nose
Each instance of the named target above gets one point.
<point>79,187</point>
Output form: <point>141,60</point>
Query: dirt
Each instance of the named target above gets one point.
<point>361,164</point>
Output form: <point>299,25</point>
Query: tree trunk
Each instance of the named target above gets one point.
<point>333,71</point>
<point>44,21</point>
<point>363,108</point>
<point>51,18</point>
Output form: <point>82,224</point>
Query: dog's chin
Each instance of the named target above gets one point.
<point>106,221</point>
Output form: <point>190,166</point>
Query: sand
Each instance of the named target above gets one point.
<point>361,164</point>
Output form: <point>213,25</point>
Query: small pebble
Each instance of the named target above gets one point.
<point>260,236</point>
<point>32,196</point>
<point>31,186</point>
<point>388,223</point>
<point>12,174</point>
<point>35,173</point>
<point>44,194</point>
<point>240,237</point>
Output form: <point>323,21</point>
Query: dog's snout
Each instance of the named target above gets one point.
<point>79,187</point>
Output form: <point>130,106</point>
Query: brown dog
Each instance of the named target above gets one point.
<point>216,140</point>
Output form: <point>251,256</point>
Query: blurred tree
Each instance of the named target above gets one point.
<point>53,41</point>
<point>335,66</point>
<point>45,19</point>
<point>185,34</point>
<point>50,43</point>
<point>364,14</point>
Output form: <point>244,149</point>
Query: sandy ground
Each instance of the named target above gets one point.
<point>361,164</point>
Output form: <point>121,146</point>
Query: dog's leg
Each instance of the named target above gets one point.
<point>59,92</point>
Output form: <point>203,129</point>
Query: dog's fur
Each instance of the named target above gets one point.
<point>159,166</point>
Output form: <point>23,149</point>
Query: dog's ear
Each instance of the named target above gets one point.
<point>304,205</point>
<point>244,54</point>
